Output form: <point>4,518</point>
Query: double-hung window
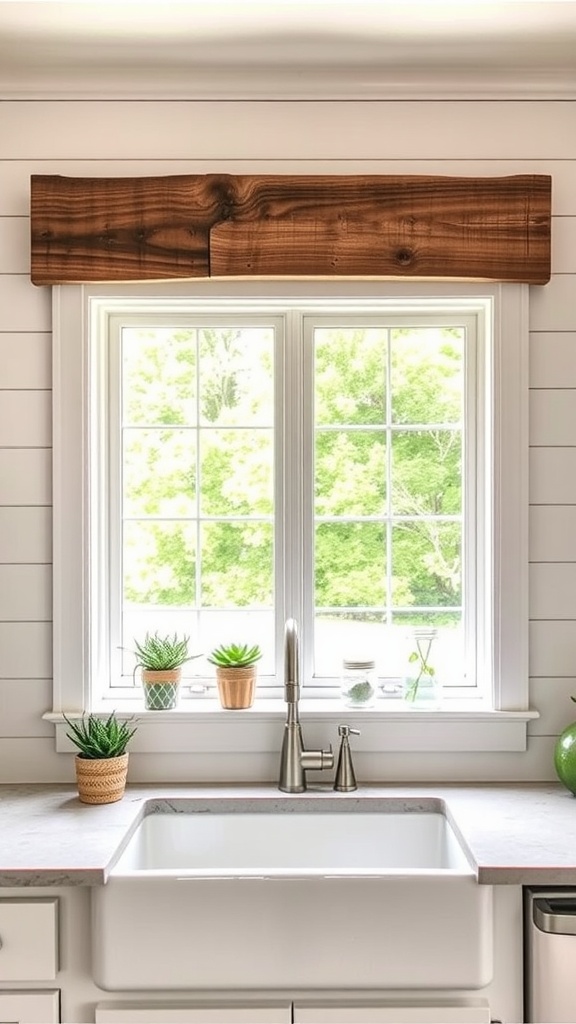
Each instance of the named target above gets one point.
<point>228,457</point>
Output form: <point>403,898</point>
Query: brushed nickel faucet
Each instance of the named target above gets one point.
<point>295,761</point>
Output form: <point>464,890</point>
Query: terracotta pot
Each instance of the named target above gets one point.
<point>236,686</point>
<point>101,781</point>
<point>161,688</point>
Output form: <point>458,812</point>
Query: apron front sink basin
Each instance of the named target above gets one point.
<point>293,894</point>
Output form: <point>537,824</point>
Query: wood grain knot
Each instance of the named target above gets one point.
<point>404,256</point>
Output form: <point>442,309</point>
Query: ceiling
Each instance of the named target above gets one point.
<point>317,35</point>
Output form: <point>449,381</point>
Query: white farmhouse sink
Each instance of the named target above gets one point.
<point>275,898</point>
<point>276,845</point>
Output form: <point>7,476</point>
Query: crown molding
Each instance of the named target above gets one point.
<point>287,83</point>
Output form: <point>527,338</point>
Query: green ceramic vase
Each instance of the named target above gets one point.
<point>565,758</point>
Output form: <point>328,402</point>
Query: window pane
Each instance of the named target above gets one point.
<point>350,565</point>
<point>426,472</point>
<point>350,473</point>
<point>351,635</point>
<point>350,371</point>
<point>237,564</point>
<point>392,453</point>
<point>159,472</point>
<point>426,564</point>
<point>159,563</point>
<point>237,472</point>
<point>198,444</point>
<point>236,376</point>
<point>427,374</point>
<point>158,375</point>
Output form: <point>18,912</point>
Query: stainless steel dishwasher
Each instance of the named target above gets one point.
<point>550,949</point>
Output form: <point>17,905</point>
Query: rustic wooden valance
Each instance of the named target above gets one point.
<point>221,225</point>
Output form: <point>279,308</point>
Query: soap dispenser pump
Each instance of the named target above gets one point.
<point>345,780</point>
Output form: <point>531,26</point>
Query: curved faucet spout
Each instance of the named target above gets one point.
<point>291,666</point>
<point>294,759</point>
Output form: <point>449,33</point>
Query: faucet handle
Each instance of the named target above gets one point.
<point>346,730</point>
<point>317,759</point>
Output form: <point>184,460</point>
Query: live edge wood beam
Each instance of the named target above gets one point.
<point>220,225</point>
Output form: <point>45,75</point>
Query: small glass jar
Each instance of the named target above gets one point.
<point>358,684</point>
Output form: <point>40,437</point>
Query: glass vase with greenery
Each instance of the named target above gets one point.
<point>421,685</point>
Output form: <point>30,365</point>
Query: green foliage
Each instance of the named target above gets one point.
<point>162,653</point>
<point>234,370</point>
<point>350,564</point>
<point>425,479</point>
<point>219,380</point>
<point>98,738</point>
<point>238,565</point>
<point>359,693</point>
<point>235,655</point>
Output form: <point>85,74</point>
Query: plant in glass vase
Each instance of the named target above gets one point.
<point>421,686</point>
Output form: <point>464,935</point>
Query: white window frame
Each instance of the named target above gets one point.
<point>106,376</point>
<point>471,315</point>
<point>458,728</point>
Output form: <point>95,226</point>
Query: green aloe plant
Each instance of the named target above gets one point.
<point>162,653</point>
<point>98,738</point>
<point>235,655</point>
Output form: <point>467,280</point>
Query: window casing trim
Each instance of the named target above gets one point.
<point>74,591</point>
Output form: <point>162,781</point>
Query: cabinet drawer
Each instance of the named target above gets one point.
<point>425,1012</point>
<point>28,940</point>
<point>237,1012</point>
<point>31,1007</point>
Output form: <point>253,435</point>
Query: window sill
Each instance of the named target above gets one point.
<point>387,728</point>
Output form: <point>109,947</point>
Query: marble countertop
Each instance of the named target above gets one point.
<point>514,834</point>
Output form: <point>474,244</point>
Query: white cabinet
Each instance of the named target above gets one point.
<point>28,940</point>
<point>29,1007</point>
<point>208,1012</point>
<point>414,1012</point>
<point>28,952</point>
<point>195,1013</point>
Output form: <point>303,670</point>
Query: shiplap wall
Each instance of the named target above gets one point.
<point>137,138</point>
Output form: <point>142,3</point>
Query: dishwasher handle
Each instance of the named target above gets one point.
<point>556,915</point>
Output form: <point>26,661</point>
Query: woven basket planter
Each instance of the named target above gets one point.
<point>236,686</point>
<point>101,781</point>
<point>161,688</point>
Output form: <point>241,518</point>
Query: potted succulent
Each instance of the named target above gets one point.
<point>102,764</point>
<point>236,671</point>
<point>160,659</point>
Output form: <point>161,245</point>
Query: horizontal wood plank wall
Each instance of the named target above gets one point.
<point>137,139</point>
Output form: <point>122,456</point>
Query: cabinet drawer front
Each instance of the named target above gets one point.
<point>392,1013</point>
<point>194,1013</point>
<point>31,1007</point>
<point>28,937</point>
